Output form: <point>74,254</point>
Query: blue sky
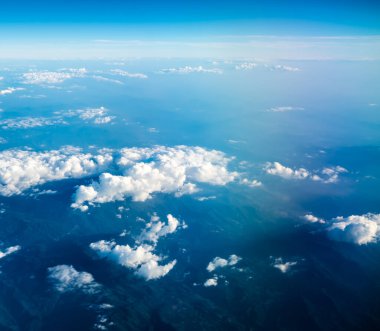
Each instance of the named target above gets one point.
<point>77,24</point>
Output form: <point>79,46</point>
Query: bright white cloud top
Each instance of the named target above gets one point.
<point>357,229</point>
<point>23,169</point>
<point>140,258</point>
<point>146,171</point>
<point>156,228</point>
<point>140,172</point>
<point>66,278</point>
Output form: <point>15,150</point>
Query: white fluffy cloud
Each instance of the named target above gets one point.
<point>326,175</point>
<point>283,266</point>
<point>313,219</point>
<point>124,73</point>
<point>52,77</point>
<point>22,169</point>
<point>251,183</point>
<point>140,258</point>
<point>156,228</point>
<point>139,172</point>
<point>10,90</point>
<point>190,70</point>
<point>211,281</point>
<point>65,278</point>
<point>219,262</point>
<point>9,250</point>
<point>357,229</point>
<point>159,169</point>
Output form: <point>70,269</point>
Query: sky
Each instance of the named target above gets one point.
<point>41,28</point>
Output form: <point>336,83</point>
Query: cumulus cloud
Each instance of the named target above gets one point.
<point>137,172</point>
<point>22,169</point>
<point>156,228</point>
<point>219,262</point>
<point>211,281</point>
<point>283,266</point>
<point>313,219</point>
<point>160,169</point>
<point>10,90</point>
<point>140,258</point>
<point>277,169</point>
<point>9,250</point>
<point>357,229</point>
<point>190,70</point>
<point>251,183</point>
<point>124,73</point>
<point>65,278</point>
<point>283,109</point>
<point>29,122</point>
<point>326,175</point>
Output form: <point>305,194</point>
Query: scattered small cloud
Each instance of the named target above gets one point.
<point>313,219</point>
<point>66,278</point>
<point>211,197</point>
<point>10,90</point>
<point>29,122</point>
<point>211,281</point>
<point>9,250</point>
<point>190,70</point>
<point>124,73</point>
<point>326,175</point>
<point>246,66</point>
<point>251,183</point>
<point>283,109</point>
<point>283,266</point>
<point>52,77</point>
<point>219,262</point>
